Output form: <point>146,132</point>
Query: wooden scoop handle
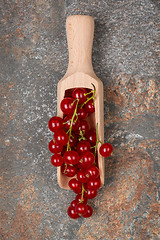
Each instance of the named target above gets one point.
<point>80,32</point>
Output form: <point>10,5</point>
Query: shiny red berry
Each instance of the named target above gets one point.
<point>67,121</point>
<point>93,172</point>
<point>65,150</point>
<point>68,105</point>
<point>106,149</point>
<point>71,157</point>
<point>94,184</point>
<point>83,146</point>
<point>83,126</point>
<point>81,208</point>
<point>61,137</point>
<point>75,185</point>
<point>72,213</point>
<point>55,123</point>
<point>82,176</point>
<point>74,203</point>
<point>79,93</point>
<point>89,212</point>
<point>57,160</point>
<point>80,199</point>
<point>82,113</point>
<point>55,147</point>
<point>91,137</point>
<point>86,160</point>
<point>69,171</point>
<point>90,106</point>
<point>90,193</point>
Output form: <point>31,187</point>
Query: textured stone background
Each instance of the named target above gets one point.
<point>33,59</point>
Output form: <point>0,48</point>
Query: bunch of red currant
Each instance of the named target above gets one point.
<point>74,146</point>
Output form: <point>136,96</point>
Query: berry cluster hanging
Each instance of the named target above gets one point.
<point>74,146</point>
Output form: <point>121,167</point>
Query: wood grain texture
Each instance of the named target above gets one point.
<point>80,30</point>
<point>34,57</point>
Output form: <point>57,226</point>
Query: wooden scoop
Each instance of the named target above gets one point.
<point>80,73</point>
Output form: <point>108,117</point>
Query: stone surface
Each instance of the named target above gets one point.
<point>34,58</point>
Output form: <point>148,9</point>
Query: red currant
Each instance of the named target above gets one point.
<point>90,193</point>
<point>57,160</point>
<point>94,184</point>
<point>79,93</point>
<point>75,185</point>
<point>65,150</point>
<point>81,208</point>
<point>54,147</point>
<point>68,105</point>
<point>83,126</point>
<point>71,157</point>
<point>72,213</point>
<point>86,160</point>
<point>82,113</point>
<point>77,159</point>
<point>90,106</point>
<point>67,121</point>
<point>82,176</point>
<point>93,172</point>
<point>69,171</point>
<point>91,137</point>
<point>89,212</point>
<point>55,123</point>
<point>80,199</point>
<point>106,149</point>
<point>61,137</point>
<point>74,203</point>
<point>83,146</point>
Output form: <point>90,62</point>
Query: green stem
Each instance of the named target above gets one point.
<point>92,97</point>
<point>73,102</point>
<point>69,132</point>
<point>66,122</point>
<point>82,136</point>
<point>65,168</point>
<point>76,117</point>
<point>88,93</point>
<point>97,141</point>
<point>83,190</point>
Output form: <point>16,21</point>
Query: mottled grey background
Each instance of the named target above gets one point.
<point>34,58</point>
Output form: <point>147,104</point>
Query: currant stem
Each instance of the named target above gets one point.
<point>65,168</point>
<point>76,117</point>
<point>66,122</point>
<point>73,102</point>
<point>92,97</point>
<point>88,93</point>
<point>82,136</point>
<point>97,141</point>
<point>69,132</point>
<point>83,190</point>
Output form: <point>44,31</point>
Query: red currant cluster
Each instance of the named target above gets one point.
<point>75,149</point>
